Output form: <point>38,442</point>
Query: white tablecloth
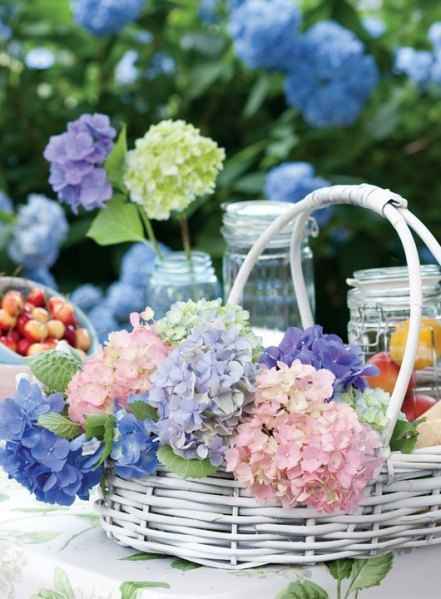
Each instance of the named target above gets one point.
<point>61,553</point>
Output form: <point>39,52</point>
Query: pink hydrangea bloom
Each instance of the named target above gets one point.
<point>298,449</point>
<point>124,367</point>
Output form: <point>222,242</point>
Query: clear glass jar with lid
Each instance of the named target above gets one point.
<point>269,293</point>
<point>379,312</point>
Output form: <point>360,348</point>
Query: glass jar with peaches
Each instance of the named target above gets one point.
<point>379,309</point>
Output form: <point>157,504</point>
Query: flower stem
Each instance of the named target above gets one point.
<point>185,233</point>
<point>339,589</point>
<point>151,233</point>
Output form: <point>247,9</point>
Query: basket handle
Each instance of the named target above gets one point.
<point>385,203</point>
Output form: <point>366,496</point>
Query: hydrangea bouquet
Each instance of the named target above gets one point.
<point>194,392</point>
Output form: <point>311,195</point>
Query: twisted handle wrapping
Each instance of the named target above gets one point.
<point>385,203</point>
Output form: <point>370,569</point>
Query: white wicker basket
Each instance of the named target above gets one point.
<point>214,522</point>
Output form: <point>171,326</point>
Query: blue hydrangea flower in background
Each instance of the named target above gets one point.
<point>160,64</point>
<point>312,346</point>
<point>266,33</point>
<point>103,321</point>
<point>434,35</point>
<point>40,59</point>
<point>76,160</point>
<point>126,71</point>
<point>138,264</point>
<point>124,299</point>
<point>40,229</point>
<point>426,256</point>
<point>374,26</point>
<point>201,390</point>
<point>331,79</point>
<point>104,17</point>
<point>5,203</point>
<point>134,449</point>
<point>291,182</point>
<point>235,4</point>
<point>55,470</point>
<point>208,11</point>
<point>5,31</point>
<point>87,297</point>
<point>416,64</point>
<point>43,276</point>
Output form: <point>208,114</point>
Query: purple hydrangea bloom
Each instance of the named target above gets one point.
<point>312,346</point>
<point>103,17</point>
<point>134,449</point>
<point>55,470</point>
<point>332,77</point>
<point>265,33</point>
<point>87,297</point>
<point>292,182</point>
<point>40,229</point>
<point>77,157</point>
<point>201,391</point>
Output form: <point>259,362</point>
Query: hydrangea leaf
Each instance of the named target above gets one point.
<point>143,557</point>
<point>94,426</point>
<point>303,589</point>
<point>143,411</point>
<point>109,428</point>
<point>62,584</point>
<point>340,568</point>
<point>59,425</point>
<point>118,222</point>
<point>371,572</point>
<point>405,436</point>
<point>182,467</point>
<point>55,368</point>
<point>184,565</point>
<point>129,589</point>
<point>116,160</point>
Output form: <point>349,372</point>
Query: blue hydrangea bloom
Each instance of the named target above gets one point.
<point>374,26</point>
<point>201,390</point>
<point>312,346</point>
<point>43,276</point>
<point>434,34</point>
<point>160,64</point>
<point>416,64</point>
<point>103,17</point>
<point>137,265</point>
<point>55,470</point>
<point>265,33</point>
<point>5,203</point>
<point>134,449</point>
<point>235,4</point>
<point>208,11</point>
<point>40,59</point>
<point>332,77</point>
<point>40,229</point>
<point>103,321</point>
<point>293,181</point>
<point>76,160</point>
<point>126,71</point>
<point>86,297</point>
<point>124,299</point>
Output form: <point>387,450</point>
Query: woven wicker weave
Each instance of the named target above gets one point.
<point>214,522</point>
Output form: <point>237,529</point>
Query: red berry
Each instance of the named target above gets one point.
<point>35,330</point>
<point>70,335</point>
<point>36,297</point>
<point>40,314</point>
<point>23,346</point>
<point>9,342</point>
<point>7,321</point>
<point>13,302</point>
<point>28,308</point>
<point>64,312</point>
<point>21,321</point>
<point>53,302</point>
<point>82,339</point>
<point>56,329</point>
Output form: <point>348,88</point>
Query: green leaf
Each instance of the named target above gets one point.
<point>116,161</point>
<point>46,594</point>
<point>182,467</point>
<point>371,572</point>
<point>257,96</point>
<point>129,589</point>
<point>340,568</point>
<point>405,436</point>
<point>143,557</point>
<point>184,565</point>
<point>303,589</point>
<point>118,222</point>
<point>59,425</point>
<point>143,411</point>
<point>62,584</point>
<point>94,426</point>
<point>109,427</point>
<point>7,217</point>
<point>203,76</point>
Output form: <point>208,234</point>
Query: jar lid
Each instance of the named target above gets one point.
<point>244,222</point>
<point>394,279</point>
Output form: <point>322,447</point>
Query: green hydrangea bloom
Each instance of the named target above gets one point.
<point>371,406</point>
<point>171,166</point>
<point>184,317</point>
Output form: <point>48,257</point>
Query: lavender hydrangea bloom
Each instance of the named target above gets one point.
<point>55,470</point>
<point>293,181</point>
<point>103,17</point>
<point>332,77</point>
<point>265,33</point>
<point>40,229</point>
<point>312,346</point>
<point>134,449</point>
<point>77,157</point>
<point>201,390</point>
<point>87,297</point>
<point>124,299</point>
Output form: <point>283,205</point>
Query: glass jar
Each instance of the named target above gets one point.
<point>379,310</point>
<point>176,279</point>
<point>269,293</point>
